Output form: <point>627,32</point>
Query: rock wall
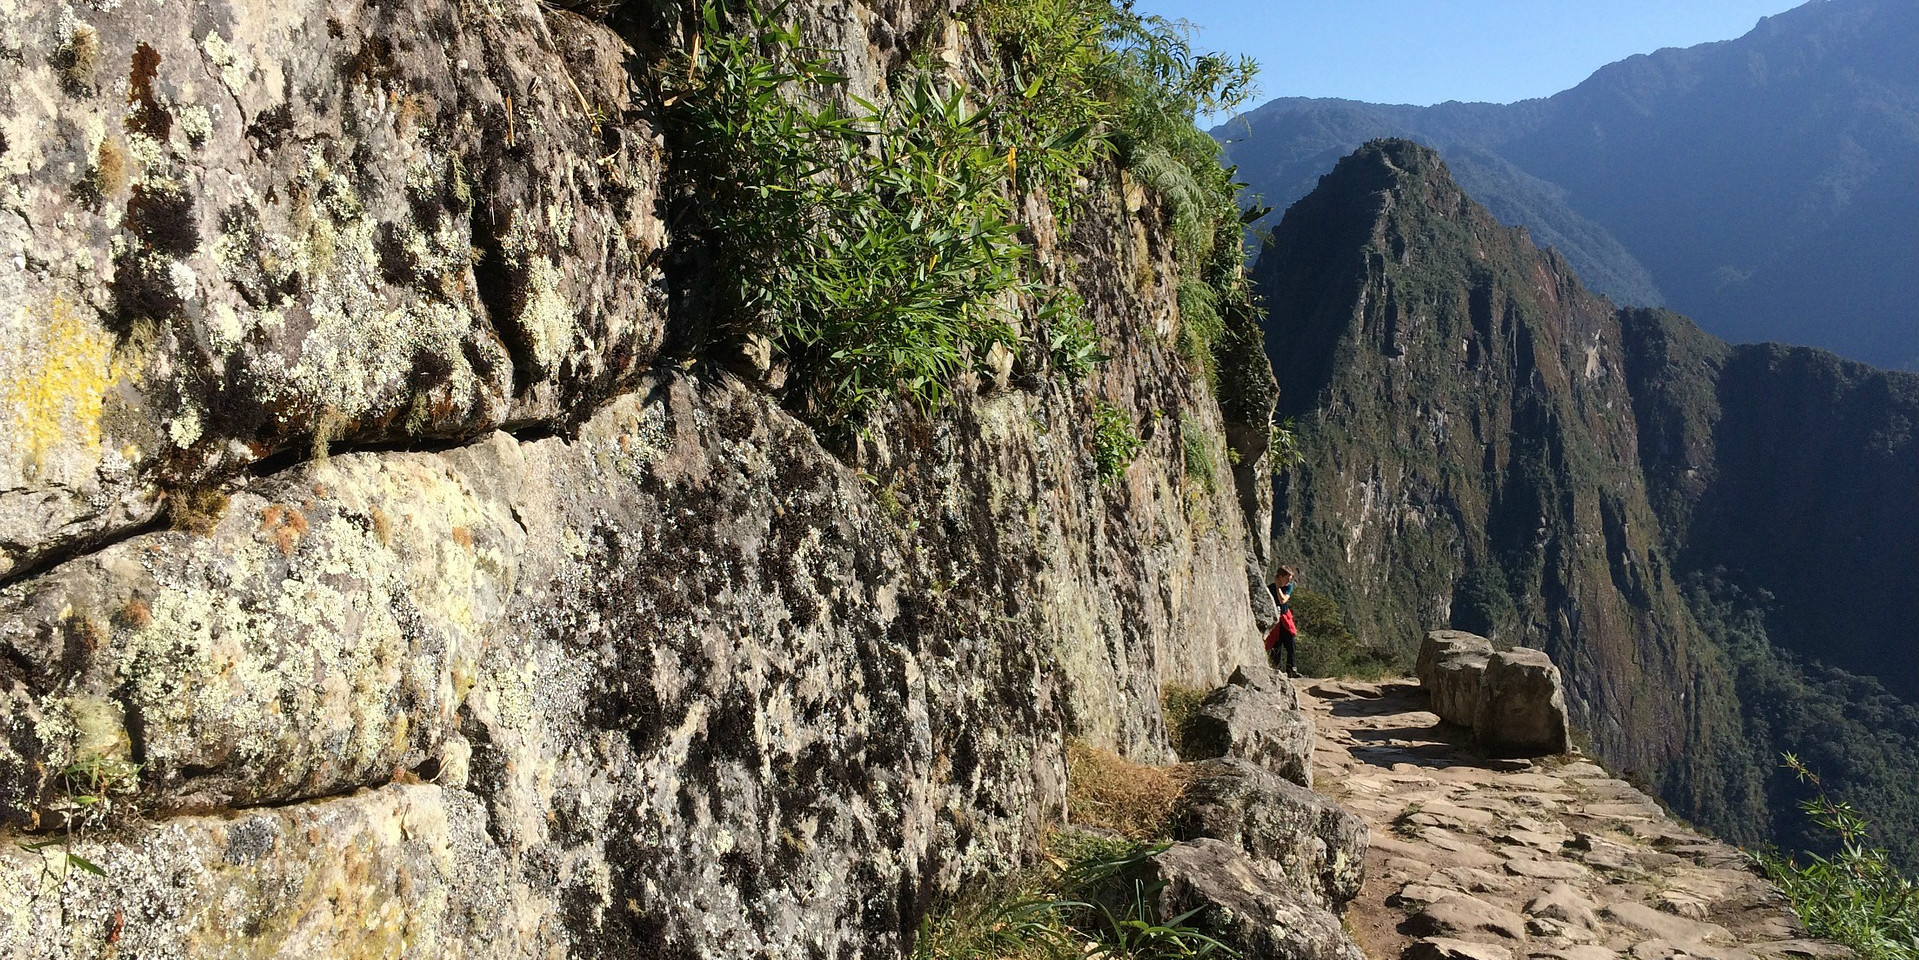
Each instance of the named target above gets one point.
<point>363,552</point>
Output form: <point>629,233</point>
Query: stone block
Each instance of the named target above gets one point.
<point>1454,688</point>
<point>1442,643</point>
<point>1522,705</point>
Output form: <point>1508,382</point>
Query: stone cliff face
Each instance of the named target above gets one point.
<point>1490,446</point>
<point>360,549</point>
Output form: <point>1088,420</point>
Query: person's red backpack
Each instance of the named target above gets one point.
<point>1283,627</point>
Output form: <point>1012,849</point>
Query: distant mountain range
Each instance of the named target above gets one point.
<point>1766,186</point>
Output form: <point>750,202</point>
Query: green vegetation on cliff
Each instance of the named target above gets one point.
<point>1863,740</point>
<point>876,250</point>
<point>876,247</point>
<point>1856,896</point>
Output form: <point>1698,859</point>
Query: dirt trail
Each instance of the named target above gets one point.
<point>1496,860</point>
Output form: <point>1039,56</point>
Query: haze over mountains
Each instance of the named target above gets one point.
<point>1764,186</point>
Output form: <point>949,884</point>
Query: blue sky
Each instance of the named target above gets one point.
<point>1430,51</point>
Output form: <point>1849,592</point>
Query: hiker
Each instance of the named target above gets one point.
<point>1284,630</point>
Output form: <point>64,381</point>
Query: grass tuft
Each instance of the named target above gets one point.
<point>1089,899</point>
<point>1108,792</point>
<point>1178,704</point>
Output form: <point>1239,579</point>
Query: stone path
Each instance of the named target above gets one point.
<point>1476,859</point>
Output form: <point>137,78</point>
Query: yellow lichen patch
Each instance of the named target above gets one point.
<point>54,380</point>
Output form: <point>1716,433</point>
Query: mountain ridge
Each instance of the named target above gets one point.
<point>1754,184</point>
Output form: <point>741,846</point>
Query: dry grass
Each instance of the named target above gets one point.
<point>195,510</point>
<point>1177,704</point>
<point>1109,792</point>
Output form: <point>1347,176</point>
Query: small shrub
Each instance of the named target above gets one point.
<point>1115,441</point>
<point>1072,343</point>
<point>1282,450</point>
<point>1053,53</point>
<point>93,788</point>
<point>1200,324</point>
<point>1855,897</point>
<point>876,250</point>
<point>196,509</point>
<point>1109,792</point>
<point>1197,455</point>
<point>1328,648</point>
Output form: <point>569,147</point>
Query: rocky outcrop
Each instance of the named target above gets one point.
<point>1439,645</point>
<point>1522,707</point>
<point>1254,717</point>
<point>1242,902</point>
<point>371,582</point>
<point>1512,700</point>
<point>1261,863</point>
<point>1451,669</point>
<point>239,234</point>
<point>1320,848</point>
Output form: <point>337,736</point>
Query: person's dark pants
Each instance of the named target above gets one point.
<point>1284,642</point>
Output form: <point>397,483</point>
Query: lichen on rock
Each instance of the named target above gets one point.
<point>476,628</point>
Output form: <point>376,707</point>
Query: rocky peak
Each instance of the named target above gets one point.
<point>1471,454</point>
<point>1489,446</point>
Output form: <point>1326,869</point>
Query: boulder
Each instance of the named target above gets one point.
<point>1442,643</point>
<point>1316,844</point>
<point>1455,685</point>
<point>1522,706</point>
<point>1513,700</point>
<point>1255,717</point>
<point>1246,905</point>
